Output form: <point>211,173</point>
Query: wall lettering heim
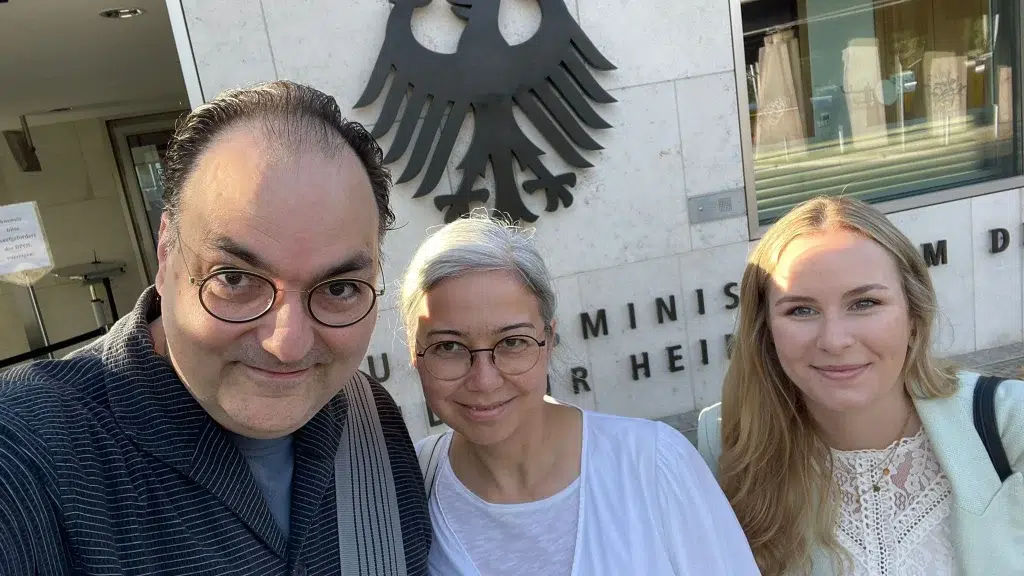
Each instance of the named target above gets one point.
<point>545,77</point>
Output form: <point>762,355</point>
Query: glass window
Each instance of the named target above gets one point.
<point>879,99</point>
<point>148,151</point>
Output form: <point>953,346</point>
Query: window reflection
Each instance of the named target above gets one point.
<point>880,100</point>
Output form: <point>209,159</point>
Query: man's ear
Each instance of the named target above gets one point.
<point>164,245</point>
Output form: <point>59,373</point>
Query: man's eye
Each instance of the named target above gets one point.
<point>233,279</point>
<point>342,289</point>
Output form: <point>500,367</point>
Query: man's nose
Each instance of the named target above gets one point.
<point>291,330</point>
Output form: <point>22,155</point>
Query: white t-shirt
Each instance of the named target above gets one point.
<point>512,539</point>
<point>647,504</point>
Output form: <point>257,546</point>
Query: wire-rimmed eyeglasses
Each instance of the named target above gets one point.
<point>450,360</point>
<point>236,296</point>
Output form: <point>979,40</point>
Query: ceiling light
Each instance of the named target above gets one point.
<point>122,13</point>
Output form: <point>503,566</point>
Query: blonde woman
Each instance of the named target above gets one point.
<point>843,446</point>
<point>526,486</point>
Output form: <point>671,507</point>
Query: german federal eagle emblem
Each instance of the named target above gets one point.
<point>546,77</point>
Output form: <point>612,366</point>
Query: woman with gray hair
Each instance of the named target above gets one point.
<point>523,484</point>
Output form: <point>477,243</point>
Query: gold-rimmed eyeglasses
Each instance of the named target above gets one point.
<point>450,360</point>
<point>236,296</point>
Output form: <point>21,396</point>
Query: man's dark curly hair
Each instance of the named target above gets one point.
<point>293,115</point>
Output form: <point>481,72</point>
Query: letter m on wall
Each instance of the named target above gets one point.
<point>935,254</point>
<point>592,327</point>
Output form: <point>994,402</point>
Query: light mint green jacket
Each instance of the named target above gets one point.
<point>987,516</point>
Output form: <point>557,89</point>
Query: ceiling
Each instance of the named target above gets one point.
<point>61,53</point>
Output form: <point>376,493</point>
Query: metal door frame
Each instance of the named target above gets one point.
<point>133,202</point>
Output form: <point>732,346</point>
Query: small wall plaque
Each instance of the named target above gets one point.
<point>717,206</point>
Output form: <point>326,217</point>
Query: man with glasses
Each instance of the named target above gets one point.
<point>223,426</point>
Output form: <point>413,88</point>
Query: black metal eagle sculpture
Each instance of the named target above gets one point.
<point>545,76</point>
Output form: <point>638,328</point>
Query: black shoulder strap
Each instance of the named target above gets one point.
<point>988,428</point>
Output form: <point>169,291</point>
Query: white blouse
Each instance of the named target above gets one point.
<point>647,504</point>
<point>903,527</point>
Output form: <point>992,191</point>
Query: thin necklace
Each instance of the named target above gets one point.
<point>875,487</point>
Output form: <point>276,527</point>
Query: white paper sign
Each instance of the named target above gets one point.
<point>24,253</point>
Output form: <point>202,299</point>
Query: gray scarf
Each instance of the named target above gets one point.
<point>369,528</point>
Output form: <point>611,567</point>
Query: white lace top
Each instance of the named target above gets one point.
<point>903,527</point>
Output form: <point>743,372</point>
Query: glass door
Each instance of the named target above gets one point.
<point>140,145</point>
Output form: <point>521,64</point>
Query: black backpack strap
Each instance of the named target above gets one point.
<point>985,423</point>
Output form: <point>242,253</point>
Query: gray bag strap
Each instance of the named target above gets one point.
<point>369,527</point>
<point>430,455</point>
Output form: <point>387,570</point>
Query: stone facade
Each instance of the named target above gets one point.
<point>627,239</point>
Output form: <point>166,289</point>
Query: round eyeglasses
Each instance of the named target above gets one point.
<point>241,296</point>
<point>450,360</point>
<point>236,296</point>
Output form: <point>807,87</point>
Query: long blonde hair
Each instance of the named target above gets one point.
<point>774,469</point>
